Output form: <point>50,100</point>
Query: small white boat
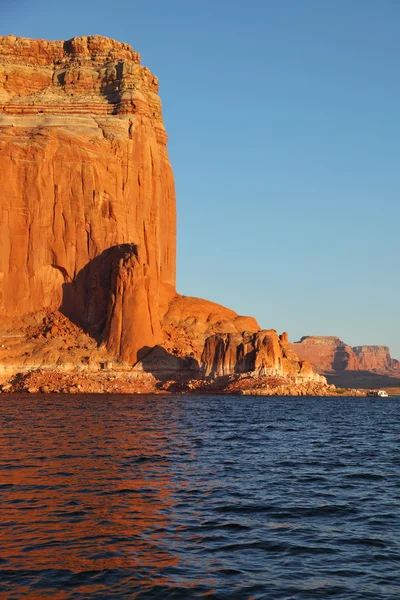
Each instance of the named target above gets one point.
<point>377,394</point>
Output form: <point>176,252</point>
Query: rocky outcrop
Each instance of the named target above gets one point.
<point>83,168</point>
<point>190,321</point>
<point>264,353</point>
<point>132,324</point>
<point>328,354</point>
<point>128,382</point>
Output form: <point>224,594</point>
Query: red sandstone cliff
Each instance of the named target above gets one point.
<point>370,358</point>
<point>88,227</point>
<point>83,168</point>
<point>328,352</point>
<point>87,207</point>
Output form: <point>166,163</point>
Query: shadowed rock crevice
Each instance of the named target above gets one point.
<point>166,366</point>
<point>341,358</point>
<point>113,299</point>
<point>86,298</point>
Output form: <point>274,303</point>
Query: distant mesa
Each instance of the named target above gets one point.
<point>361,366</point>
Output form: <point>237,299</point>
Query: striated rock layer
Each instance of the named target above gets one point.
<point>370,358</point>
<point>83,168</point>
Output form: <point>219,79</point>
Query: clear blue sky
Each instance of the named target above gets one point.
<point>283,118</point>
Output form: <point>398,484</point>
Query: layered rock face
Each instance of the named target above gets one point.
<point>84,169</point>
<point>371,358</point>
<point>329,354</point>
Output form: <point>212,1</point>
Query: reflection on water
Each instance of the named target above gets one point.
<point>182,497</point>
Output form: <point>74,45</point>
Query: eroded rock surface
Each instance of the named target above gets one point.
<point>264,353</point>
<point>190,321</point>
<point>83,168</point>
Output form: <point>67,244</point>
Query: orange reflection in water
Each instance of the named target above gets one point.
<point>87,486</point>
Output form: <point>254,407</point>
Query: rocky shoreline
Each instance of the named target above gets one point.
<point>47,381</point>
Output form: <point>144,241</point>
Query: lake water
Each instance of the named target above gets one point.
<point>199,497</point>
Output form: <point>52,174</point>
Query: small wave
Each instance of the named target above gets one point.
<point>365,476</point>
<point>242,508</point>
<point>317,511</point>
<point>185,498</point>
<point>364,541</point>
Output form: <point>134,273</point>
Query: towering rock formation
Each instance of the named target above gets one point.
<point>84,171</point>
<point>88,226</point>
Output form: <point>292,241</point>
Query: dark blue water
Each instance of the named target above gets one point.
<point>199,497</point>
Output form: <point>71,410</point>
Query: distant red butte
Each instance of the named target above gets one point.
<point>330,356</point>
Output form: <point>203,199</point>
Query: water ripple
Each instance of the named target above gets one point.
<point>193,497</point>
